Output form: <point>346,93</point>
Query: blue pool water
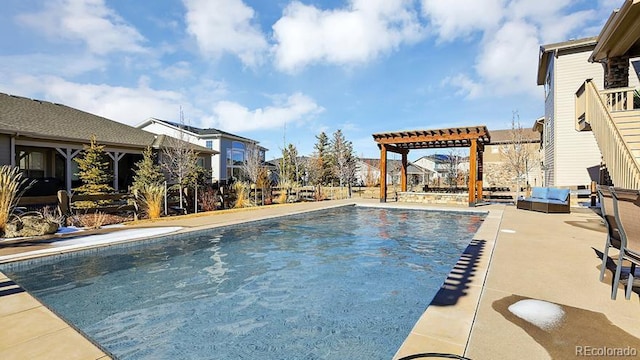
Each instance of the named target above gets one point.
<point>346,283</point>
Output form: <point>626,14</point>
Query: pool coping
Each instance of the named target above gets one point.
<point>445,326</point>
<point>448,329</point>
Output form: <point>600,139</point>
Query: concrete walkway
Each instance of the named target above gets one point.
<point>516,255</point>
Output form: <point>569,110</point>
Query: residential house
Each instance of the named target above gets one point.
<point>43,138</point>
<point>606,106</point>
<point>368,173</point>
<point>443,167</point>
<point>496,172</point>
<point>233,149</point>
<point>571,156</point>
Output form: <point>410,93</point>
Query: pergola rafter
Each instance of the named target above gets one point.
<point>474,137</point>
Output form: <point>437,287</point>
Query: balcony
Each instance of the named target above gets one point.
<point>615,123</point>
<point>620,103</point>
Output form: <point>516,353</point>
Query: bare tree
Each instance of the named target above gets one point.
<point>180,159</point>
<point>252,166</point>
<point>519,157</point>
<point>452,169</point>
<point>316,170</point>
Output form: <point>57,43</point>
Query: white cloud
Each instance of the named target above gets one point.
<point>232,116</point>
<point>560,28</point>
<point>126,105</point>
<point>177,71</point>
<point>466,86</point>
<point>89,21</point>
<point>509,60</point>
<point>458,19</point>
<point>225,26</point>
<point>511,32</point>
<point>366,29</point>
<point>64,64</point>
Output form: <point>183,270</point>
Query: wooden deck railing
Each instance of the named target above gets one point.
<point>595,110</point>
<point>618,99</point>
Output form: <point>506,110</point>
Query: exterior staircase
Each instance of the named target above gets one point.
<point>615,124</point>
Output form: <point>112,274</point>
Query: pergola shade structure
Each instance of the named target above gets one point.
<point>401,142</point>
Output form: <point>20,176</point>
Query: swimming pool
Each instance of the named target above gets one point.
<point>335,284</point>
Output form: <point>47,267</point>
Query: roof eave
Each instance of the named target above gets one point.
<point>619,33</point>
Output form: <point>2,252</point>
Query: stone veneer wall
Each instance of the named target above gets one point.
<point>434,198</point>
<point>497,174</point>
<point>616,72</point>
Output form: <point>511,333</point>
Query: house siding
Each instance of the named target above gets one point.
<point>5,149</point>
<point>217,160</point>
<point>225,146</point>
<point>548,138</point>
<point>161,129</point>
<point>577,156</point>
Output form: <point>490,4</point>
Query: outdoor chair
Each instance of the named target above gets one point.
<point>626,206</point>
<point>613,235</point>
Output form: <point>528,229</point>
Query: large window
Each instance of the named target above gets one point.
<point>235,159</point>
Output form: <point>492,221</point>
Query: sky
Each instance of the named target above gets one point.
<point>282,71</point>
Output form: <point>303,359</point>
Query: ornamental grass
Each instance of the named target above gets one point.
<point>242,195</point>
<point>11,188</point>
<point>151,200</point>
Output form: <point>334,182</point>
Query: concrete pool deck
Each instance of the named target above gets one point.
<point>516,255</point>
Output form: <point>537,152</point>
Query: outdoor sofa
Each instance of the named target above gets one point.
<point>546,199</point>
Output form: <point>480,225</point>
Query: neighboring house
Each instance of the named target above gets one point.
<point>611,112</point>
<point>442,165</point>
<point>368,172</point>
<point>233,149</point>
<point>43,138</point>
<point>495,168</point>
<point>571,157</point>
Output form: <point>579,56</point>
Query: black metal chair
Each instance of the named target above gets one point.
<point>613,235</point>
<point>626,206</point>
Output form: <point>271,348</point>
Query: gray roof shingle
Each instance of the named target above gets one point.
<point>47,120</point>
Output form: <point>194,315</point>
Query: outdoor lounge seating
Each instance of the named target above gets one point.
<point>626,205</point>
<point>613,234</point>
<point>546,199</point>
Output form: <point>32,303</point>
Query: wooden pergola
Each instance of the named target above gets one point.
<point>402,142</point>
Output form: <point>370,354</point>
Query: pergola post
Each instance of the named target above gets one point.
<point>383,173</point>
<point>403,173</point>
<point>480,170</point>
<point>473,166</point>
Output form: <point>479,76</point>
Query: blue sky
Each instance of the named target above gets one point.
<point>282,70</point>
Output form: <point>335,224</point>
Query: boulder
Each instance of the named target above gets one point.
<point>30,225</point>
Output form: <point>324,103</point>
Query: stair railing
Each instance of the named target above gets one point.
<point>621,164</point>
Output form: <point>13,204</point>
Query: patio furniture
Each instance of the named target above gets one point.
<point>626,206</point>
<point>613,235</point>
<point>546,199</point>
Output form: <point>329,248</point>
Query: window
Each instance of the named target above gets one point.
<point>209,144</point>
<point>235,159</point>
<point>547,84</point>
<point>31,162</point>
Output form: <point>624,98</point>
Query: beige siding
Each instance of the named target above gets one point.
<point>575,152</point>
